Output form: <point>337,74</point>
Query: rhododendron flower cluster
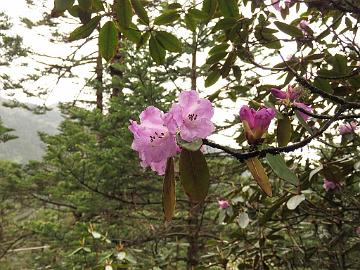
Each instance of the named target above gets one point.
<point>291,95</point>
<point>223,204</point>
<point>155,136</point>
<point>348,128</point>
<point>330,185</point>
<point>256,123</point>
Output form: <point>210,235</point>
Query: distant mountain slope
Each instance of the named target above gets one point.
<point>26,124</point>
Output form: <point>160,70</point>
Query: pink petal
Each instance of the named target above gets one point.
<point>248,115</point>
<point>278,93</point>
<point>304,107</point>
<point>188,98</point>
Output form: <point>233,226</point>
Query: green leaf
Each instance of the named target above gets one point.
<point>269,213</point>
<point>284,131</point>
<point>323,84</point>
<point>229,8</point>
<point>85,4</point>
<point>209,7</point>
<point>143,39</point>
<point>157,52</point>
<point>97,6</point>
<point>108,40</point>
<point>85,30</point>
<point>259,174</point>
<point>140,11</point>
<point>60,6</point>
<point>219,48</point>
<point>289,29</point>
<point>194,175</point>
<point>168,41</point>
<point>191,146</point>
<point>339,63</point>
<point>278,165</point>
<point>224,24</point>
<point>169,196</point>
<point>132,34</point>
<point>190,22</point>
<point>230,60</point>
<point>167,17</point>
<point>212,78</point>
<point>124,13</point>
<point>295,201</point>
<point>198,14</point>
<point>216,57</point>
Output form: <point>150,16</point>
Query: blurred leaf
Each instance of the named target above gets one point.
<point>209,7</point>
<point>212,78</point>
<point>85,4</point>
<point>191,146</point>
<point>259,174</point>
<point>243,220</point>
<point>277,163</point>
<point>143,39</point>
<point>295,201</point>
<point>230,60</point>
<point>60,6</point>
<point>216,57</point>
<point>289,29</point>
<point>124,13</point>
<point>85,30</point>
<point>168,41</point>
<point>194,175</point>
<point>157,52</point>
<point>198,14</point>
<point>190,22</point>
<point>284,131</point>
<point>169,196</point>
<point>224,24</point>
<point>219,48</point>
<point>108,40</point>
<point>140,11</point>
<point>229,8</point>
<point>167,17</point>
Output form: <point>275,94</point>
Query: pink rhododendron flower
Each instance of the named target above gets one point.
<point>223,204</point>
<point>347,128</point>
<point>330,185</point>
<point>291,93</point>
<point>304,26</point>
<point>256,123</point>
<point>192,116</point>
<point>153,139</point>
<point>305,108</point>
<point>280,4</point>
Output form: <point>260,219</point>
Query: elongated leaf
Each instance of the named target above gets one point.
<point>143,39</point>
<point>190,22</point>
<point>167,17</point>
<point>131,34</point>
<point>219,48</point>
<point>270,212</point>
<point>140,11</point>
<point>295,201</point>
<point>124,13</point>
<point>284,131</point>
<point>108,40</point>
<point>60,6</point>
<point>259,174</point>
<point>157,52</point>
<point>212,78</point>
<point>198,14</point>
<point>85,30</point>
<point>229,8</point>
<point>194,175</point>
<point>289,29</point>
<point>277,163</point>
<point>209,7</point>
<point>85,4</point>
<point>169,196</point>
<point>168,41</point>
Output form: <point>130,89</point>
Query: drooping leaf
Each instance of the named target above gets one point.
<point>143,39</point>
<point>140,11</point>
<point>294,201</point>
<point>289,29</point>
<point>194,175</point>
<point>303,122</point>
<point>259,174</point>
<point>269,213</point>
<point>157,52</point>
<point>198,14</point>
<point>132,34</point>
<point>190,22</point>
<point>108,40</point>
<point>124,13</point>
<point>219,48</point>
<point>284,131</point>
<point>85,30</point>
<point>169,196</point>
<point>85,4</point>
<point>168,41</point>
<point>278,165</point>
<point>167,17</point>
<point>212,78</point>
<point>209,7</point>
<point>60,6</point>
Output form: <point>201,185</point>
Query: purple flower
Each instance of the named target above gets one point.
<point>192,116</point>
<point>305,108</point>
<point>280,4</point>
<point>330,185</point>
<point>304,27</point>
<point>154,139</point>
<point>223,204</point>
<point>348,128</point>
<point>290,94</point>
<point>256,123</point>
